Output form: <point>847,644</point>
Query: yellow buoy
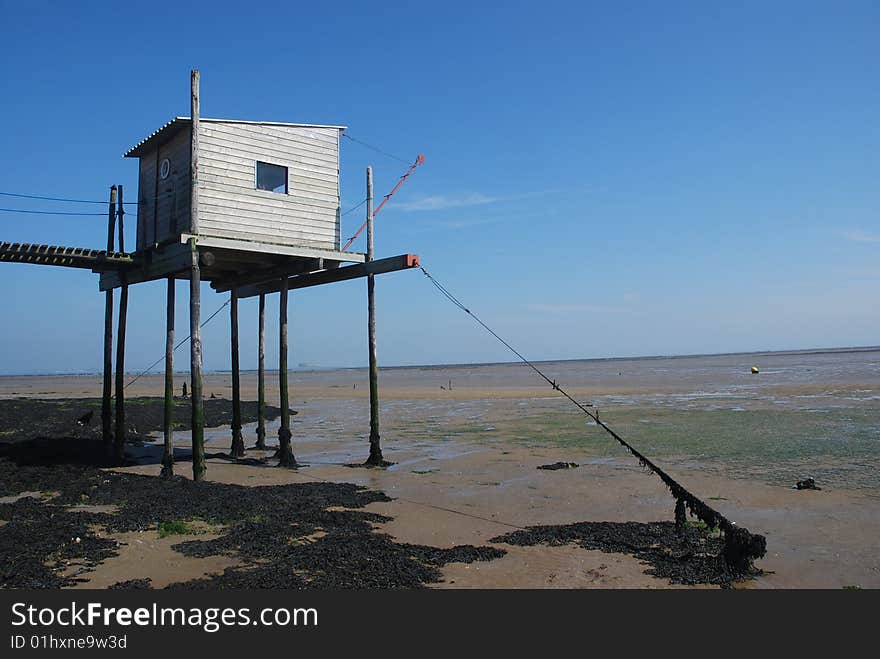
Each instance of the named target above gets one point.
<point>755,370</point>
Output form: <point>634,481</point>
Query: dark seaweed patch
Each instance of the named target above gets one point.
<point>27,418</point>
<point>132,584</point>
<point>341,559</point>
<point>46,546</point>
<point>559,465</point>
<point>693,555</point>
<point>301,535</point>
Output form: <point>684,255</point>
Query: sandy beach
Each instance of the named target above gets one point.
<point>466,461</point>
<point>460,493</point>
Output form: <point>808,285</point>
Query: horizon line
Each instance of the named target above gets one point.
<point>314,369</point>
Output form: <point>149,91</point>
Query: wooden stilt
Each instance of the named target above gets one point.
<point>285,452</point>
<point>119,438</point>
<point>195,367</point>
<point>261,377</point>
<point>107,394</point>
<point>375,458</point>
<point>168,455</point>
<point>237,450</point>
<point>195,295</point>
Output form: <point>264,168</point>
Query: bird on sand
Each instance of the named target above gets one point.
<point>85,419</point>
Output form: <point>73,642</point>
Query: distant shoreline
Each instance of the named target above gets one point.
<point>314,369</point>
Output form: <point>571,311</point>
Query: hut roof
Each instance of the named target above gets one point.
<point>177,124</point>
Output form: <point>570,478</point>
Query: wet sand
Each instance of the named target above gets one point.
<point>306,386</point>
<point>830,375</point>
<point>144,555</point>
<point>455,492</point>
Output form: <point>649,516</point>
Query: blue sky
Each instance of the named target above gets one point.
<point>602,179</point>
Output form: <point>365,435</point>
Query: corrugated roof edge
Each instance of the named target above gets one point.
<point>179,122</point>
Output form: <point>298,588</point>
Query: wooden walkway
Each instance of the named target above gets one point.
<point>70,257</point>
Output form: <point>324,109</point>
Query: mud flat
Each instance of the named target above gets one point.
<point>464,505</point>
<point>451,514</point>
<point>24,418</point>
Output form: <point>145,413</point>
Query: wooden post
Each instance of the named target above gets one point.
<point>285,452</point>
<point>194,153</point>
<point>111,220</point>
<point>195,295</point>
<point>168,456</point>
<point>237,450</point>
<point>119,439</point>
<point>261,377</point>
<point>107,394</point>
<point>120,212</point>
<point>375,458</point>
<point>197,418</point>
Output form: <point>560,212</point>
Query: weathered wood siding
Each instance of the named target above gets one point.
<point>163,205</point>
<point>230,206</point>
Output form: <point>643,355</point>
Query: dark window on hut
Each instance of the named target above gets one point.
<point>271,177</point>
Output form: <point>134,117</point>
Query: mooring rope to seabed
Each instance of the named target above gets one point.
<point>741,546</point>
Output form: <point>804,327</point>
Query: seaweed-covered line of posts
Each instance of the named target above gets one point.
<point>740,545</point>
<point>254,209</point>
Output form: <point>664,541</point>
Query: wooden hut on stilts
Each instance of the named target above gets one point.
<point>252,207</point>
